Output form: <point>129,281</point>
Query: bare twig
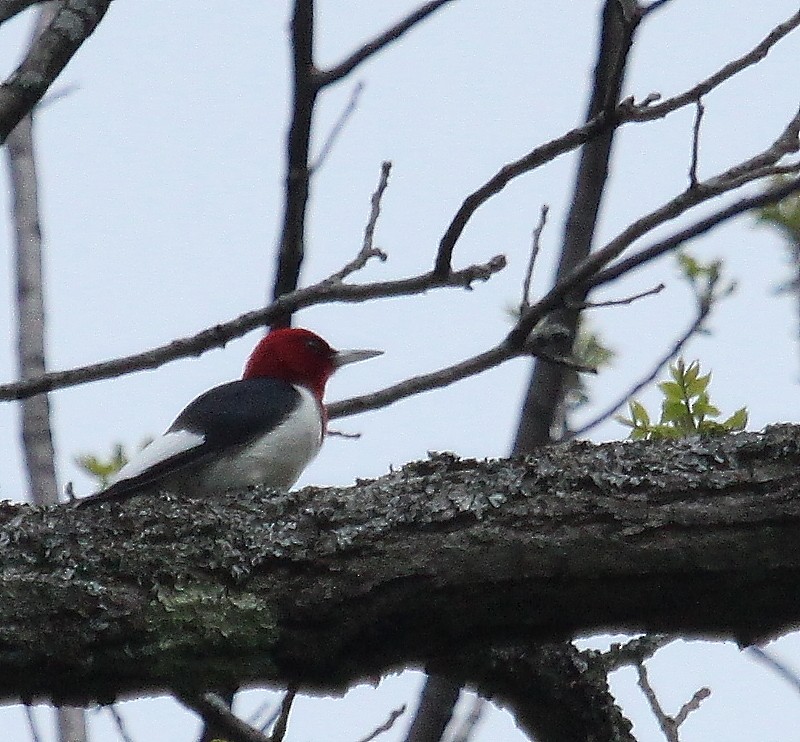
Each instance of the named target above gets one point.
<point>725,73</point>
<point>653,6</point>
<point>119,723</point>
<point>698,118</point>
<point>673,351</point>
<point>669,725</point>
<point>307,83</point>
<point>626,112</point>
<point>515,342</point>
<point>279,731</point>
<point>467,727</point>
<point>789,675</point>
<point>695,230</point>
<point>72,25</point>
<point>535,158</point>
<point>329,76</point>
<point>338,128</point>
<point>33,727</point>
<point>218,335</point>
<point>215,713</point>
<point>618,302</point>
<point>368,250</point>
<point>692,704</point>
<point>435,380</point>
<point>590,271</point>
<point>635,651</point>
<point>666,722</point>
<point>342,434</point>
<point>535,246</point>
<point>435,709</point>
<point>268,711</point>
<point>394,715</point>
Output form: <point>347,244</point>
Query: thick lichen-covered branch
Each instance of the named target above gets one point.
<point>322,586</point>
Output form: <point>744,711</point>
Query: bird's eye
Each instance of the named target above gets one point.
<point>316,345</point>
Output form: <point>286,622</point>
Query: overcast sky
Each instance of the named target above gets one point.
<point>161,188</point>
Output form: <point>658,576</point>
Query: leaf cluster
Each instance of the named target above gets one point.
<point>686,409</point>
<point>103,469</point>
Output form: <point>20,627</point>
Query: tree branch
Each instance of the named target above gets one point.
<point>299,587</point>
<point>212,709</point>
<point>650,112</point>
<point>72,25</point>
<point>292,241</point>
<point>218,335</point>
<point>10,8</point>
<point>626,112</point>
<point>393,33</point>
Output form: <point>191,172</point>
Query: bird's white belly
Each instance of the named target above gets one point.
<point>276,459</point>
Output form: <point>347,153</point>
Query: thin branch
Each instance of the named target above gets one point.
<point>467,727</point>
<point>635,651</point>
<point>535,158</point>
<point>212,709</point>
<point>666,722</point>
<point>338,128</point>
<point>36,431</point>
<point>698,118</point>
<point>437,700</point>
<point>789,675</point>
<point>525,302</point>
<point>73,24</point>
<point>279,731</point>
<point>344,68</point>
<point>219,335</point>
<point>426,382</point>
<point>33,727</point>
<point>755,55</point>
<point>512,346</point>
<point>692,704</point>
<point>589,272</point>
<point>119,723</point>
<point>695,230</point>
<point>268,711</point>
<point>515,342</point>
<point>618,302</point>
<point>368,249</point>
<point>386,726</point>
<point>653,6</point>
<point>673,351</point>
<point>626,112</point>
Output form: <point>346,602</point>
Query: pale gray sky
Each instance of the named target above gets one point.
<point>162,181</point>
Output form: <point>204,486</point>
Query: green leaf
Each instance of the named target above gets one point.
<point>639,414</point>
<point>737,421</point>
<point>697,384</point>
<point>671,390</point>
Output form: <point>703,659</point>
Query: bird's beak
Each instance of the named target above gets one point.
<point>344,357</point>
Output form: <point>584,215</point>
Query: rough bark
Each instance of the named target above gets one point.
<point>321,587</point>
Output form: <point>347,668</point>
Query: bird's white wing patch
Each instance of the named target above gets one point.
<point>168,445</point>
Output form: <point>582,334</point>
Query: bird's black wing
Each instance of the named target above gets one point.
<point>224,417</point>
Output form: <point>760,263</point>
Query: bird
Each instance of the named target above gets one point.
<point>262,429</point>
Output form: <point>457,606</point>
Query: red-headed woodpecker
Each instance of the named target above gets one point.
<point>263,429</point>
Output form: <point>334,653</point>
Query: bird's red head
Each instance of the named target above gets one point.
<point>299,357</point>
